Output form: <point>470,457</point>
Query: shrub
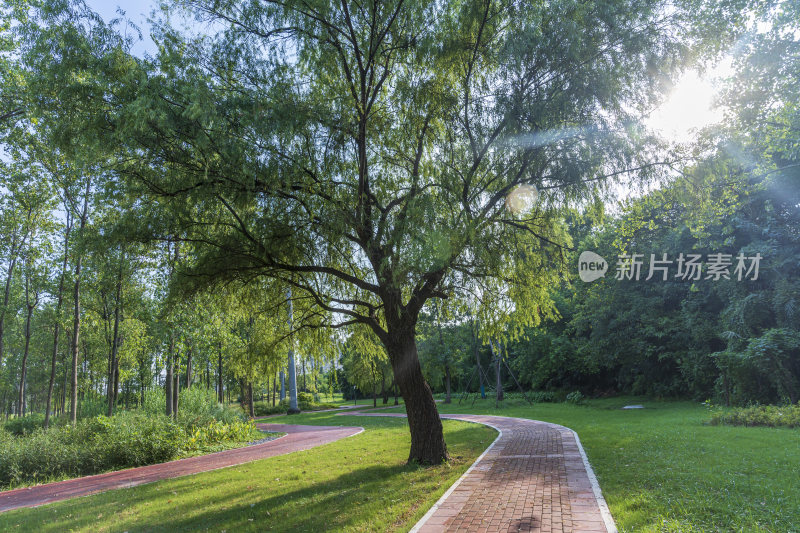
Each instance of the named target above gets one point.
<point>24,425</point>
<point>218,432</point>
<point>90,407</point>
<point>266,408</point>
<point>128,439</point>
<point>93,445</point>
<point>198,407</point>
<point>575,398</point>
<point>305,397</point>
<point>541,396</point>
<point>761,415</point>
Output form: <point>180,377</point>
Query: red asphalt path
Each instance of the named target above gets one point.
<point>297,438</point>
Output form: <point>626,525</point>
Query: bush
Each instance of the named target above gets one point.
<point>762,415</point>
<point>25,425</point>
<point>305,397</point>
<point>90,407</point>
<point>266,408</point>
<point>199,407</point>
<point>205,437</point>
<point>575,398</point>
<point>128,439</point>
<point>93,445</point>
<point>542,396</point>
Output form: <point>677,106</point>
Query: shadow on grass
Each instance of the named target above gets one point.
<point>231,504</point>
<point>295,492</point>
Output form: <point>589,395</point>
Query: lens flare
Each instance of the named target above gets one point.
<point>522,199</point>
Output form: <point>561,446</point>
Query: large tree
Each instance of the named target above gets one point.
<point>373,155</point>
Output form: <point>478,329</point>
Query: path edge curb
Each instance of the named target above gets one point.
<point>453,487</point>
<point>611,526</point>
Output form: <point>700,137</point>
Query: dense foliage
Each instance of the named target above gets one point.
<point>128,439</point>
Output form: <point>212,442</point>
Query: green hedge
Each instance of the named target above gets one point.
<point>762,415</point>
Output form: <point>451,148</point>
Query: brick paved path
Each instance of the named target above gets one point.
<point>533,478</point>
<point>297,438</point>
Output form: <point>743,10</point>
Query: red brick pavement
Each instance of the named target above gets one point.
<point>533,478</point>
<point>297,438</point>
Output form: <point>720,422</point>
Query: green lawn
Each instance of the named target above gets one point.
<point>662,469</point>
<point>356,484</point>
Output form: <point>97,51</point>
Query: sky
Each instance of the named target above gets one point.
<point>137,11</point>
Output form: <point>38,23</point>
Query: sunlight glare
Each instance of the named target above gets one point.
<point>690,106</point>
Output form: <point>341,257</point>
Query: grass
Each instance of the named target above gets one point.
<point>356,484</point>
<point>664,469</point>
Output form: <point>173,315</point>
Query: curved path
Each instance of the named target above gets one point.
<point>297,438</point>
<point>534,477</point>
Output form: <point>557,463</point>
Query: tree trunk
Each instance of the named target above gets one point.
<point>168,380</point>
<point>116,383</point>
<point>283,385</point>
<point>113,363</point>
<point>447,398</point>
<point>219,375</point>
<point>478,359</point>
<point>176,386</point>
<point>250,403</point>
<point>76,327</point>
<point>274,386</point>
<point>57,325</point>
<point>293,408</point>
<point>427,437</point>
<point>189,368</point>
<point>384,392</point>
<point>24,370</point>
<point>498,359</point>
<point>7,295</point>
<point>76,322</point>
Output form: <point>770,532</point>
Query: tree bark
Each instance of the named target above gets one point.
<point>13,253</point>
<point>168,380</point>
<point>427,437</point>
<point>498,359</point>
<point>57,325</point>
<point>293,408</point>
<point>189,368</point>
<point>219,375</point>
<point>477,358</point>
<point>250,402</point>
<point>24,370</point>
<point>113,370</point>
<point>76,322</point>
<point>176,385</point>
<point>447,398</point>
